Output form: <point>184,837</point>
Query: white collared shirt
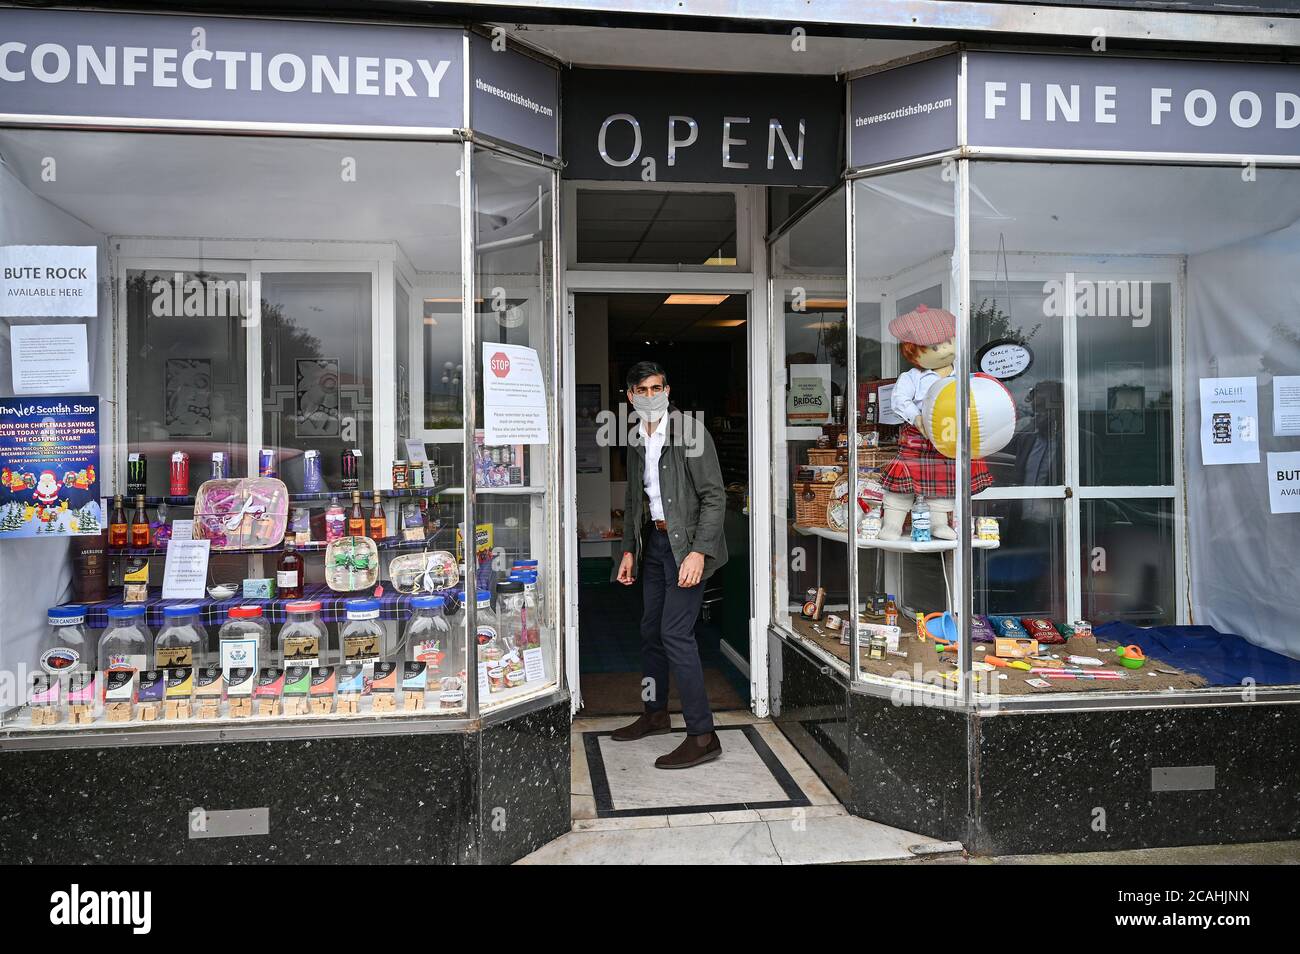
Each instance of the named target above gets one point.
<point>654,446</point>
<point>910,390</point>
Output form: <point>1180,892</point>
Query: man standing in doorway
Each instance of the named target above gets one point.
<point>672,519</point>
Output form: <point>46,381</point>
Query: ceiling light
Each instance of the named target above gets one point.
<point>826,304</point>
<point>721,261</point>
<point>695,299</point>
<point>720,323</point>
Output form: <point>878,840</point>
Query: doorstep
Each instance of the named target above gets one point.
<point>759,803</point>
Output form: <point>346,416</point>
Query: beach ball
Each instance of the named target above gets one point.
<point>992,416</point>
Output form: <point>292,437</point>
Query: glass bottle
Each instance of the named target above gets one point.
<point>357,517</point>
<point>362,634</point>
<point>245,640</point>
<point>531,631</point>
<point>119,533</point>
<point>378,520</point>
<point>428,638</point>
<point>335,522</point>
<point>511,618</point>
<point>290,572</point>
<point>140,535</point>
<point>492,648</point>
<point>304,638</point>
<point>67,647</point>
<point>891,610</point>
<point>182,641</point>
<point>127,640</point>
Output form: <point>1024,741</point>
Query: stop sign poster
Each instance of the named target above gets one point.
<point>514,396</point>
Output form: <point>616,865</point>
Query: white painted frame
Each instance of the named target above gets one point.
<point>596,279</point>
<point>253,259</point>
<point>1162,269</point>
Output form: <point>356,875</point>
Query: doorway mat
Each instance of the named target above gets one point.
<point>619,693</point>
<point>746,777</point>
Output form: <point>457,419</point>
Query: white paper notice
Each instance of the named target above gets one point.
<point>514,397</point>
<point>48,281</point>
<point>1229,421</point>
<point>182,529</point>
<point>1284,482</point>
<point>186,575</point>
<point>534,665</point>
<point>1286,406</point>
<point>49,359</point>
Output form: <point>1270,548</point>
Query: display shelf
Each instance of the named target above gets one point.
<point>506,491</point>
<point>895,546</point>
<point>392,605</point>
<point>21,719</point>
<point>316,546</point>
<point>321,497</point>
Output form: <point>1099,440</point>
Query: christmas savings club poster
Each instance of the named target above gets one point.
<point>49,463</point>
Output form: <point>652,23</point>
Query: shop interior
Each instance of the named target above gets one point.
<point>287,295</point>
<point>701,341</point>
<point>1088,494</point>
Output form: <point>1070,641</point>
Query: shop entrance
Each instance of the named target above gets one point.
<point>701,341</point>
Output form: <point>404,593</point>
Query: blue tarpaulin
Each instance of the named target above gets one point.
<point>1224,659</point>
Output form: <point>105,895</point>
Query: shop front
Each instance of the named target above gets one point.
<point>293,503</point>
<point>1072,612</point>
<point>280,299</point>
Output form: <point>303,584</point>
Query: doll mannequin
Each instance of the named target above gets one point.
<point>929,340</point>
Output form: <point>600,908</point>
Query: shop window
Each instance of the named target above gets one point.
<point>1147,299</point>
<point>811,586</point>
<point>293,307</point>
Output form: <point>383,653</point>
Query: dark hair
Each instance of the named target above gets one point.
<point>645,369</point>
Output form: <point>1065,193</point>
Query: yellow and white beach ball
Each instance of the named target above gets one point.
<point>992,416</point>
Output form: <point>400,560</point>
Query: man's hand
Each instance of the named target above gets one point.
<point>627,570</point>
<point>691,571</point>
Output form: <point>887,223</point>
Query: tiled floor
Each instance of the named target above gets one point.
<point>759,803</point>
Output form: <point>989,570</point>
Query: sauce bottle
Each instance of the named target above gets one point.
<point>140,536</point>
<point>357,518</point>
<point>118,531</point>
<point>378,520</point>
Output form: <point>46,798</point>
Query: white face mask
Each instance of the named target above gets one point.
<point>651,408</point>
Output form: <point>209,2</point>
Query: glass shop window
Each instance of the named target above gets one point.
<point>906,486</point>
<point>227,340</point>
<point>811,593</point>
<point>1147,500</point>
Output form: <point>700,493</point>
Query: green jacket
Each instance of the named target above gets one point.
<point>691,488</point>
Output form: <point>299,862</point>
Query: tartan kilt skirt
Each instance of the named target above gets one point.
<point>920,469</point>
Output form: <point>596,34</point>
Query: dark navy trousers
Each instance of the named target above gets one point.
<point>668,636</point>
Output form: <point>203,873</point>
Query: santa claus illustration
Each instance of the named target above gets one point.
<point>46,493</point>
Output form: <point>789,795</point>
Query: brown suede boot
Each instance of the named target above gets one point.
<point>647,723</point>
<point>695,750</point>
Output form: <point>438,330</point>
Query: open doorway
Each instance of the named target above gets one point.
<point>701,341</point>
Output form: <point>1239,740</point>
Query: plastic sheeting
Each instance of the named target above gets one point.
<point>1243,319</point>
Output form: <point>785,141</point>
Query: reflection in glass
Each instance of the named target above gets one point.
<point>1128,561</point>
<point>186,387</point>
<point>317,382</point>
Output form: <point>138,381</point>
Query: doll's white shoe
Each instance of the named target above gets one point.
<point>894,511</point>
<point>941,520</point>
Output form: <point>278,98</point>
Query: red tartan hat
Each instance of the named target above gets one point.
<point>924,326</point>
